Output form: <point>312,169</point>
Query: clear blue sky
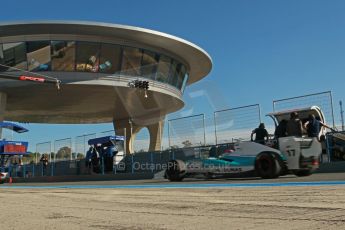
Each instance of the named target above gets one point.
<point>261,50</point>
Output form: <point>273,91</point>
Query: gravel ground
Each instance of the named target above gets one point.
<point>320,207</point>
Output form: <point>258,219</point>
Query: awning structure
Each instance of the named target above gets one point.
<point>106,139</point>
<point>13,126</point>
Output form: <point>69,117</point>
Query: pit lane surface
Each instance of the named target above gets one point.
<point>306,206</point>
<point>332,178</point>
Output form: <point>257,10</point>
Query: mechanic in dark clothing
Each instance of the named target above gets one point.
<point>313,126</point>
<point>294,126</point>
<point>281,129</point>
<point>260,134</point>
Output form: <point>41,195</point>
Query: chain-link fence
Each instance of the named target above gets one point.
<point>106,133</point>
<point>44,148</point>
<point>44,157</point>
<point>188,138</point>
<point>81,145</point>
<point>209,130</point>
<point>236,123</point>
<point>142,141</point>
<point>323,100</point>
<point>63,150</point>
<point>187,131</point>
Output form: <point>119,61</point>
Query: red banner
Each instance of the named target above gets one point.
<point>15,148</point>
<point>28,78</point>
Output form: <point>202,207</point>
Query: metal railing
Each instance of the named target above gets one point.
<point>236,122</point>
<point>145,162</point>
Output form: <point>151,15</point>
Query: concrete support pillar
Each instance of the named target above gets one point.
<point>129,130</point>
<point>156,133</point>
<point>3,101</point>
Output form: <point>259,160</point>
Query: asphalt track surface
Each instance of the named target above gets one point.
<point>314,202</point>
<point>288,180</point>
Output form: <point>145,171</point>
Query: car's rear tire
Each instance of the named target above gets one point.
<point>302,172</point>
<point>176,170</point>
<point>267,166</point>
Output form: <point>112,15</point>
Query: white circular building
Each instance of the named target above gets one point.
<point>97,64</point>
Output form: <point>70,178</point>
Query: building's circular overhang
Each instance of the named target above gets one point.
<point>90,100</point>
<point>198,62</point>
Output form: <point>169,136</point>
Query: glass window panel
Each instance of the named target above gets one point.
<point>185,81</point>
<point>163,69</point>
<point>63,55</point>
<point>2,68</point>
<point>87,56</point>
<point>181,76</point>
<point>149,64</point>
<point>175,69</point>
<point>131,61</point>
<point>20,55</point>
<point>14,55</point>
<point>110,58</point>
<point>38,55</point>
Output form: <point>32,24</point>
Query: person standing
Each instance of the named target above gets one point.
<point>313,126</point>
<point>260,134</point>
<point>44,160</point>
<point>88,160</point>
<point>294,126</point>
<point>281,129</point>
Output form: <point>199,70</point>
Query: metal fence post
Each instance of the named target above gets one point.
<point>215,126</point>
<point>36,155</point>
<point>328,148</point>
<point>71,158</point>
<point>151,159</point>
<point>102,160</point>
<point>132,163</point>
<point>169,141</point>
<point>84,146</point>
<point>125,144</point>
<point>173,154</point>
<point>50,154</point>
<point>341,115</point>
<point>24,171</point>
<point>52,164</point>
<point>203,124</point>
<point>330,93</point>
<point>131,139</point>
<point>33,170</point>
<point>274,106</point>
